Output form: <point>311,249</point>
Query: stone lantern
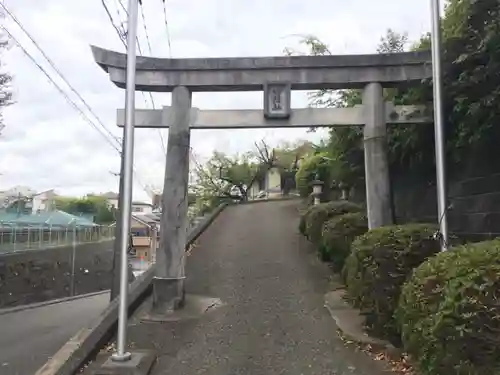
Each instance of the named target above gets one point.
<point>317,185</point>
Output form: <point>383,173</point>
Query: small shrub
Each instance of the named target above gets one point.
<point>303,218</point>
<point>379,263</point>
<point>320,213</point>
<point>302,223</point>
<point>449,311</point>
<point>338,234</point>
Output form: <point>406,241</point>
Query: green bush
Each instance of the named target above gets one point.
<point>320,213</point>
<point>303,219</point>
<point>449,311</point>
<point>338,234</point>
<point>380,262</point>
<point>304,214</point>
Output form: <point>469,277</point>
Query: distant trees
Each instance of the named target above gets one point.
<point>97,207</point>
<point>229,176</point>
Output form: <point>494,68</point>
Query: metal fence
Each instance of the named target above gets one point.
<point>20,238</point>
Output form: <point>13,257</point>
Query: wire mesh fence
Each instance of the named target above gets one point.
<point>14,237</point>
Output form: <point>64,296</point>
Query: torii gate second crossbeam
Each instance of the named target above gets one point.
<point>254,118</point>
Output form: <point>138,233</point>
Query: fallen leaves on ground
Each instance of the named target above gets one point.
<point>399,363</point>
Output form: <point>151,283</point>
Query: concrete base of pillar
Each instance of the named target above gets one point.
<point>168,295</point>
<point>140,363</point>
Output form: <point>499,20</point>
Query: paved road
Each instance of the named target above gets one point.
<point>273,321</point>
<point>29,337</point>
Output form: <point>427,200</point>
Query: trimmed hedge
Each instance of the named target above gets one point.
<point>380,262</point>
<point>449,311</point>
<point>320,213</point>
<point>302,222</point>
<point>338,234</point>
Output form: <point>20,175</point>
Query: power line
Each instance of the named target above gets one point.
<point>124,31</point>
<point>164,149</point>
<point>146,30</point>
<point>61,91</point>
<point>122,23</point>
<point>121,35</point>
<point>165,19</point>
<point>68,99</point>
<point>57,70</point>
<point>123,6</point>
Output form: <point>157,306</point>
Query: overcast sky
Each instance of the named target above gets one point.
<point>46,143</point>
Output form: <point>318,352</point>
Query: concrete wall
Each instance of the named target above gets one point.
<point>475,205</point>
<point>473,192</point>
<point>274,180</point>
<point>40,275</point>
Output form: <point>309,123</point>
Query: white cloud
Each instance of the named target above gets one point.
<point>46,143</point>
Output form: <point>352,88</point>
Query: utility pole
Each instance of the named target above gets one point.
<point>126,175</point>
<point>115,271</point>
<point>439,136</point>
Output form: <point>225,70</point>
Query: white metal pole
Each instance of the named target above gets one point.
<point>437,76</point>
<point>73,262</point>
<point>128,154</point>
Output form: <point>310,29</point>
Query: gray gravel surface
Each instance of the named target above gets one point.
<point>273,321</point>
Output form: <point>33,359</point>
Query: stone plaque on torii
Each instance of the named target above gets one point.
<point>276,76</point>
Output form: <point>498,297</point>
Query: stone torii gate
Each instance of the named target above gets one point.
<point>276,76</point>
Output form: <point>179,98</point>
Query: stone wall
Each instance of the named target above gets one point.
<point>40,275</point>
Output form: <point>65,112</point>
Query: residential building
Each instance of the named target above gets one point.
<point>43,202</point>
<point>142,207</point>
<point>267,180</point>
<point>137,207</point>
<point>18,193</point>
<point>156,200</point>
<point>144,229</point>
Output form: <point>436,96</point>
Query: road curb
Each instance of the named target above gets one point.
<point>89,339</point>
<point>267,200</point>
<point>350,321</point>
<point>10,310</point>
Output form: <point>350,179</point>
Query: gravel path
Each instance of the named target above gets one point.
<point>273,320</point>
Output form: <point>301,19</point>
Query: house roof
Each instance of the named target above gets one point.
<point>147,219</point>
<point>44,219</point>
<point>152,216</point>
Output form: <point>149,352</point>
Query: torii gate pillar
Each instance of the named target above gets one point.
<point>378,197</point>
<point>168,283</point>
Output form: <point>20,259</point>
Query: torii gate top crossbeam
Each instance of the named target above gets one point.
<point>252,73</point>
